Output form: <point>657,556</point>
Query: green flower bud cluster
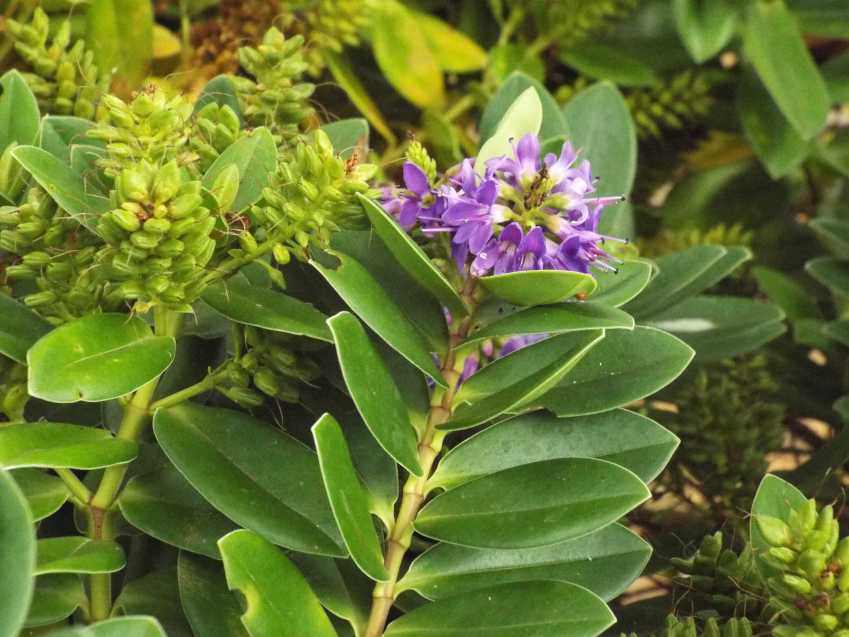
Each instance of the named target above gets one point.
<point>266,364</point>
<point>675,627</point>
<point>65,80</point>
<point>215,127</point>
<point>811,584</point>
<point>418,154</point>
<point>574,21</point>
<point>275,97</point>
<point>312,195</point>
<point>668,241</point>
<point>673,105</point>
<point>13,389</point>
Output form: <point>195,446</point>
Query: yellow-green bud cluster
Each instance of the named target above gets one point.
<point>672,105</point>
<point>215,128</point>
<point>312,195</point>
<point>13,389</point>
<point>418,154</point>
<point>275,97</point>
<point>675,627</point>
<point>811,586</point>
<point>573,21</point>
<point>65,80</point>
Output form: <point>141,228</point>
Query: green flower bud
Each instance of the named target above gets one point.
<point>783,554</point>
<point>135,183</point>
<point>266,381</point>
<point>248,243</point>
<point>774,530</point>
<point>125,219</point>
<point>244,397</point>
<point>157,226</point>
<point>813,563</point>
<point>797,584</point>
<point>226,187</point>
<point>36,259</point>
<point>826,623</point>
<point>145,240</point>
<point>167,182</point>
<point>38,299</point>
<point>281,254</point>
<point>840,603</point>
<point>184,205</point>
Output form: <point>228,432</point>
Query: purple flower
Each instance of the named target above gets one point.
<point>511,251</point>
<point>408,205</point>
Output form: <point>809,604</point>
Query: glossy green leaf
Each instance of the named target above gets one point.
<point>792,297</point>
<point>219,90</point>
<point>367,298</point>
<point>59,445</point>
<point>60,132</point>
<point>75,554</point>
<point>788,71</point>
<point>280,603</point>
<point>411,257</point>
<point>164,505</point>
<point>55,598</point>
<point>45,493</point>
<point>523,117</point>
<point>242,302</point>
<point>512,382</point>
<point>630,440</point>
<point>374,392</point>
<point>155,594</point>
<point>831,272</point>
<point>605,562</point>
<point>538,287</point>
<point>534,504</point>
<point>532,609</point>
<point>17,556</point>
<point>20,327</point>
<point>617,288</point>
<point>96,358</point>
<point>705,26</point>
<point>137,626</point>
<point>108,24</point>
<point>607,62</point>
<point>255,155</point>
<point>348,498</point>
<point>454,51</point>
<point>256,475</point>
<point>340,586</point>
<point>19,116</point>
<point>210,607</point>
<point>348,135</point>
<point>624,367</point>
<point>553,123</point>
<point>722,326</point>
<point>775,498</point>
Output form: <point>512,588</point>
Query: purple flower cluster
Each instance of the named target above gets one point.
<point>523,213</point>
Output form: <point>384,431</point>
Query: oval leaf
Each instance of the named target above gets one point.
<point>45,493</point>
<point>705,26</point>
<point>212,610</point>
<point>255,155</point>
<point>108,24</point>
<point>19,329</point>
<point>17,556</point>
<point>523,117</point>
<point>553,123</point>
<point>617,288</point>
<point>78,555</point>
<point>538,287</point>
<point>59,445</point>
<point>19,116</point>
<point>775,498</point>
<point>56,597</point>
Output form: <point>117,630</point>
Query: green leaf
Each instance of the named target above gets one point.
<point>403,53</point>
<point>526,608</point>
<point>624,367</point>
<point>722,326</point>
<point>775,498</point>
<point>705,26</point>
<point>607,62</point>
<point>19,116</point>
<point>605,562</point>
<point>256,475</point>
<point>534,504</point>
<point>367,298</point>
<point>604,132</point>
<point>17,556</point>
<point>255,155</point>
<point>835,72</point>
<point>219,90</point>
<point>454,51</point>
<point>834,234</point>
<point>67,188</point>
<point>553,123</point>
<point>155,594</point>
<point>108,25</point>
<point>347,135</point>
<point>506,59</point>
<point>212,610</point>
<point>55,598</point>
<point>826,18</point>
<point>374,392</point>
<point>617,288</point>
<point>831,272</point>
<point>630,440</point>
<point>242,302</point>
<point>164,505</point>
<point>411,257</point>
<point>792,297</point>
<point>19,329</point>
<point>77,554</point>
<point>59,133</point>
<point>138,626</point>
<point>45,493</point>
<point>523,117</point>
<point>348,498</point>
<point>788,71</point>
<point>538,287</point>
<point>280,603</point>
<point>97,358</point>
<point>512,382</point>
<point>340,587</point>
<point>59,445</point>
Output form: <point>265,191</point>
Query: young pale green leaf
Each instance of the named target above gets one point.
<point>534,504</point>
<point>722,326</point>
<point>525,608</point>
<point>523,117</point>
<point>624,367</point>
<point>517,380</point>
<point>705,26</point>
<point>605,562</point>
<point>348,498</point>
<point>374,391</point>
<point>555,319</point>
<point>155,594</point>
<point>538,287</point>
<point>164,506</point>
<point>59,445</point>
<point>17,556</point>
<point>19,116</point>
<point>788,71</point>
<point>630,440</point>
<point>604,132</point>
<point>242,302</point>
<point>553,123</point>
<point>45,493</point>
<point>96,358</point>
<point>608,62</point>
<point>831,272</point>
<point>60,132</point>
<point>19,329</point>
<point>210,607</point>
<point>792,297</point>
<point>367,298</point>
<point>55,598</point>
<point>75,554</point>
<point>280,603</point>
<point>256,475</point>
<point>255,155</point>
<point>617,288</point>
<point>834,234</point>
<point>411,257</point>
<point>219,90</point>
<point>454,51</point>
<point>108,25</point>
<point>775,498</point>
<point>347,135</point>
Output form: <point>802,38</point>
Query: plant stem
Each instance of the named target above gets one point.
<point>184,394</point>
<point>75,485</point>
